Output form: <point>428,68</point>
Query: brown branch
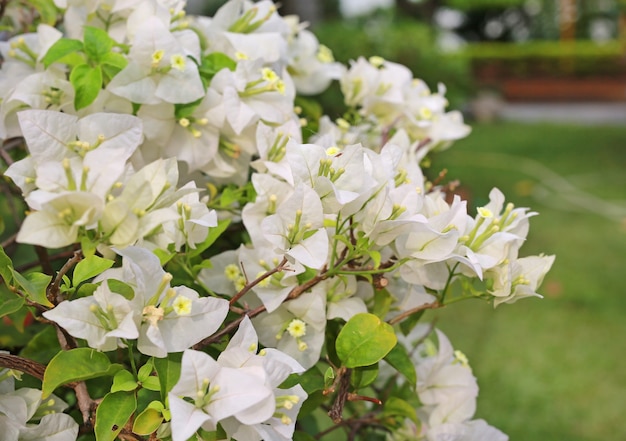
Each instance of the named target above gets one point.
<point>53,292</point>
<point>44,259</point>
<point>21,364</point>
<point>406,314</point>
<point>258,280</point>
<point>336,411</point>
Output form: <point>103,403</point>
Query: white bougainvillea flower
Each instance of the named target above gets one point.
<point>104,319</point>
<point>168,319</point>
<point>311,65</point>
<point>207,393</point>
<point>159,68</point>
<point>297,228</point>
<point>518,278</point>
<point>475,430</point>
<point>296,327</point>
<point>24,417</point>
<point>60,218</point>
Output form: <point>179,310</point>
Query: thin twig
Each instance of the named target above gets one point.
<point>405,314</point>
<point>53,292</point>
<point>258,280</point>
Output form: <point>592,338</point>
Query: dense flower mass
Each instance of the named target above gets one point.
<point>232,271</point>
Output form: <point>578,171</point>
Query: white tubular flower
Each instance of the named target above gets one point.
<point>208,393</point>
<point>58,222</point>
<point>103,319</point>
<point>296,327</point>
<point>158,68</point>
<point>518,278</point>
<point>24,417</point>
<point>297,228</point>
<point>168,319</point>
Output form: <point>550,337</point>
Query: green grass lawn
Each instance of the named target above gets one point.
<point>552,368</point>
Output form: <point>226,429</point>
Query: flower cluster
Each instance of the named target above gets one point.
<point>228,263</point>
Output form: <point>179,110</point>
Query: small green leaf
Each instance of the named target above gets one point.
<point>113,413</point>
<point>34,284</point>
<point>97,43</point>
<point>364,376</point>
<point>48,12</point>
<point>395,406</point>
<point>145,371</point>
<point>147,421</point>
<point>168,370</point>
<point>61,48</point>
<point>76,365</point>
<point>88,246</point>
<point>114,59</point>
<point>87,82</point>
<point>329,377</point>
<point>10,306</point>
<point>121,288</point>
<point>6,267</point>
<point>213,63</point>
<point>151,383</point>
<point>86,289</point>
<point>123,381</point>
<point>90,267</point>
<point>364,340</point>
<point>382,303</point>
<point>399,359</point>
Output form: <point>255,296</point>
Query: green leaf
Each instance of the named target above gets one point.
<point>114,59</point>
<point>329,377</point>
<point>34,284</point>
<point>168,370</point>
<point>407,325</point>
<point>147,421</point>
<point>6,267</point>
<point>399,359</point>
<point>90,267</point>
<point>382,303</point>
<point>87,82</point>
<point>302,436</point>
<point>151,383</point>
<point>86,289</point>
<point>145,370</point>
<point>48,12</point>
<point>88,246</point>
<point>11,306</point>
<point>395,406</point>
<point>76,365</point>
<point>214,234</point>
<point>97,43</point>
<point>61,48</point>
<point>43,346</point>
<point>364,376</point>
<point>364,340</point>
<point>213,63</point>
<point>121,288</point>
<point>113,413</point>
<point>123,381</point>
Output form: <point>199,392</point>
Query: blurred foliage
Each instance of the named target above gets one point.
<point>483,4</point>
<point>546,58</point>
<point>404,41</point>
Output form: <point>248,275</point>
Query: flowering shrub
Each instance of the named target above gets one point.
<point>231,273</point>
